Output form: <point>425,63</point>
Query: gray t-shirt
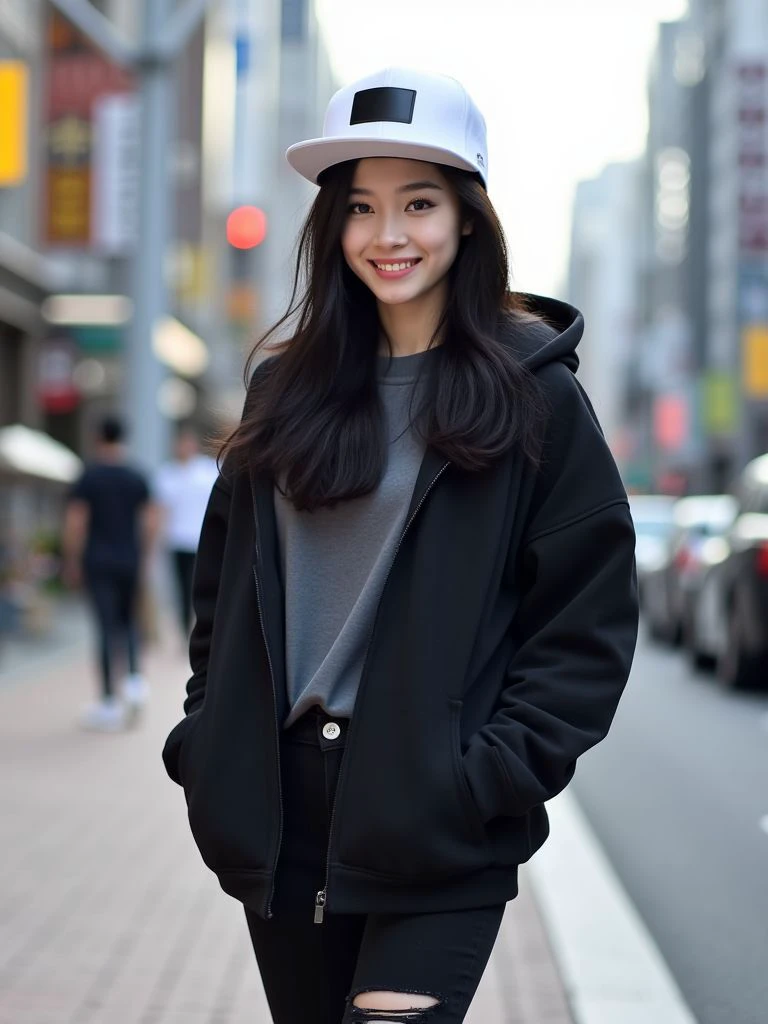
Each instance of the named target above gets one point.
<point>335,561</point>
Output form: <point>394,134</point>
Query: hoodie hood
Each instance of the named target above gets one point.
<point>553,337</point>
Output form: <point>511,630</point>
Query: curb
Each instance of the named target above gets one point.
<point>611,968</point>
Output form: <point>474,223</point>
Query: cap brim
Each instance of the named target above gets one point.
<point>313,157</point>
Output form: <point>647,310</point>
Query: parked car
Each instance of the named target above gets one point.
<point>652,516</point>
<point>670,586</point>
<point>733,609</point>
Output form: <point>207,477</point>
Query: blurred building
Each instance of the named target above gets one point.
<point>603,283</point>
<point>254,78</point>
<point>274,84</point>
<point>24,276</point>
<point>664,397</point>
<point>91,166</point>
<point>34,471</point>
<point>306,84</point>
<point>735,37</point>
<point>694,399</point>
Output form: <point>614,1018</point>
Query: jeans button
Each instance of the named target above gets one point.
<point>331,731</point>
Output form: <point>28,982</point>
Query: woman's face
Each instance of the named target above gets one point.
<point>403,228</point>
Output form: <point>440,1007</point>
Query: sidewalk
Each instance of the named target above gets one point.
<point>107,913</point>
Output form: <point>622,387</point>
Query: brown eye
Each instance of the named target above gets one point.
<point>419,205</point>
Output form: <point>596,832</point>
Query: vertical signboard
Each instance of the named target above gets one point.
<point>78,75</point>
<point>14,87</point>
<point>752,98</point>
<point>115,173</point>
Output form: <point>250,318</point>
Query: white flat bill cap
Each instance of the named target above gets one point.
<point>398,113</point>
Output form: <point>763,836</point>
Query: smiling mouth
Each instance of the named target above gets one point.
<point>393,266</point>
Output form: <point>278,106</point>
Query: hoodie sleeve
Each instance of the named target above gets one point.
<point>575,629</point>
<point>205,591</point>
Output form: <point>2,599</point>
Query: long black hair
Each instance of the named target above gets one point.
<point>315,422</point>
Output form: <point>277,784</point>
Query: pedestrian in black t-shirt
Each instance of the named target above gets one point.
<point>108,530</point>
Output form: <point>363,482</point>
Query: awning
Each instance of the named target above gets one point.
<point>32,453</point>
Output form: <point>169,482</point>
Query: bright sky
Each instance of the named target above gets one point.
<point>562,85</point>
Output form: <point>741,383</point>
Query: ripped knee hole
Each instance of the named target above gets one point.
<point>385,1006</point>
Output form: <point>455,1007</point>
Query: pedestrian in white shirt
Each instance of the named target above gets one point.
<point>183,487</point>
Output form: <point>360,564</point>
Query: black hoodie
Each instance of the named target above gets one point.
<point>503,641</point>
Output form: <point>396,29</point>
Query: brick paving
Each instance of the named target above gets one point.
<point>107,914</point>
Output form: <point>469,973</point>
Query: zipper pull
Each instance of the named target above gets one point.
<point>319,906</point>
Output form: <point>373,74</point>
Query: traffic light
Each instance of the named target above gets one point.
<point>246,230</point>
<point>246,227</point>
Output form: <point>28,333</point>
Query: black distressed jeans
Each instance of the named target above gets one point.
<point>312,972</point>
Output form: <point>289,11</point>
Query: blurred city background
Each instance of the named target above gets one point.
<point>147,226</point>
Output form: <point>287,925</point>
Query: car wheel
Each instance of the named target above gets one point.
<point>736,670</point>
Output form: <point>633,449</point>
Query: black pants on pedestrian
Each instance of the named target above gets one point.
<point>312,972</point>
<point>184,565</point>
<point>113,594</point>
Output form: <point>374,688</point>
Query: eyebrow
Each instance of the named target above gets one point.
<point>415,186</point>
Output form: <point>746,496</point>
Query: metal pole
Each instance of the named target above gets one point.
<point>98,28</point>
<point>182,24</point>
<point>145,374</point>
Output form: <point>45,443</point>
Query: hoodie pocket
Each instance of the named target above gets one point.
<point>186,748</point>
<point>472,812</point>
<point>405,809</point>
<point>174,745</point>
<point>230,784</point>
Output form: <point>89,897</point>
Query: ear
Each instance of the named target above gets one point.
<point>468,227</point>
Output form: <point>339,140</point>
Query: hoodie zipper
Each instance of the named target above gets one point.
<point>268,908</point>
<point>321,897</point>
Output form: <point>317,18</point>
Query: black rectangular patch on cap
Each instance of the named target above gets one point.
<point>383,104</point>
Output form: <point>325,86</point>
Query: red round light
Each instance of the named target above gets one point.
<point>246,227</point>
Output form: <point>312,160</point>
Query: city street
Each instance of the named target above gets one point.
<point>490,332</point>
<point>107,913</point>
<point>678,797</point>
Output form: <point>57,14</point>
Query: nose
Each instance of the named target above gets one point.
<point>391,233</point>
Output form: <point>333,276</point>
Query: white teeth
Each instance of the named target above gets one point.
<point>395,266</point>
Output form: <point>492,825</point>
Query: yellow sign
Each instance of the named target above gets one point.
<point>755,340</point>
<point>14,85</point>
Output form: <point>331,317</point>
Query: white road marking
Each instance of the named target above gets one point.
<point>611,967</point>
<point>763,823</point>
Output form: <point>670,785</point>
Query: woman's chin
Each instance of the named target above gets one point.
<point>395,294</point>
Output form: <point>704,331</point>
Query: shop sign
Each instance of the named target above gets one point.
<point>57,392</point>
<point>77,76</point>
<point>14,89</point>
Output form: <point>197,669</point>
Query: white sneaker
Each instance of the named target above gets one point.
<point>106,716</point>
<point>135,695</point>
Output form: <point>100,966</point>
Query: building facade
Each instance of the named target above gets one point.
<point>602,282</point>
<point>695,392</point>
<point>25,279</point>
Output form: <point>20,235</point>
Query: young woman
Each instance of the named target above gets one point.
<point>415,588</point>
